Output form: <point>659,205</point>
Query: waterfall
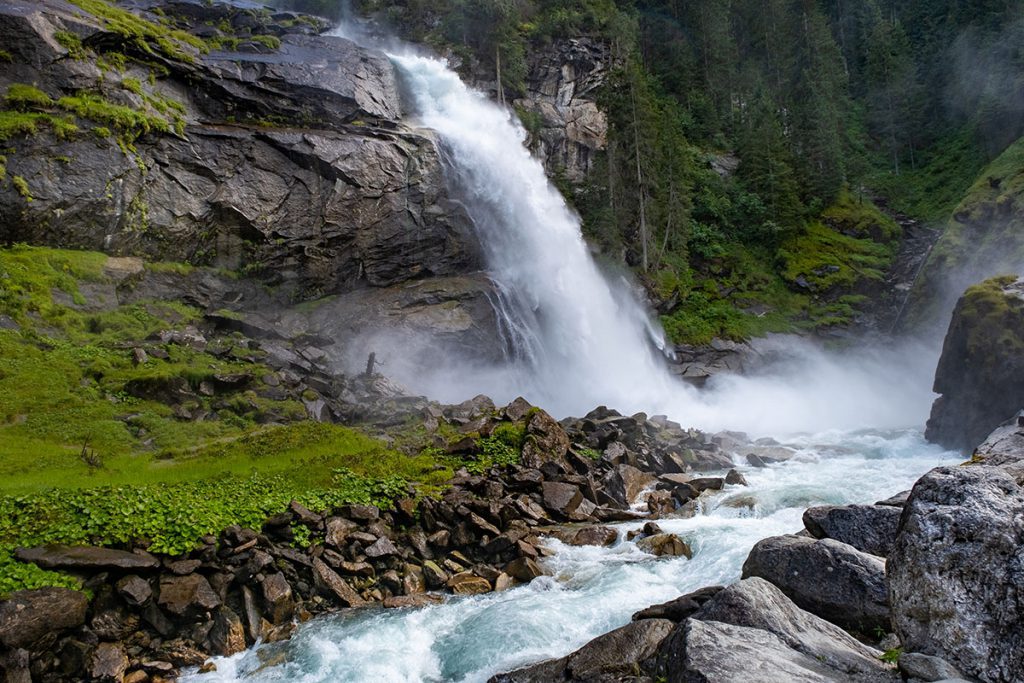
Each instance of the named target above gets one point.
<point>578,339</point>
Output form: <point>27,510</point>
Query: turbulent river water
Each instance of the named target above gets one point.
<point>591,590</point>
<point>578,338</point>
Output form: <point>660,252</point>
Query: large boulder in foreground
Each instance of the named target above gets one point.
<point>755,603</point>
<point>825,577</point>
<point>751,631</point>
<point>956,573</point>
<point>981,371</point>
<point>715,652</point>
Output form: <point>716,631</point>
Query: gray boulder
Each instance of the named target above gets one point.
<point>755,603</point>
<point>980,374</point>
<point>926,668</point>
<point>1004,446</point>
<point>713,652</point>
<point>86,558</point>
<point>868,528</point>
<point>680,608</point>
<point>956,573</point>
<point>833,580</point>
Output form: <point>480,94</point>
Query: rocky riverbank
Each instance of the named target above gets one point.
<point>146,616</point>
<point>926,580</point>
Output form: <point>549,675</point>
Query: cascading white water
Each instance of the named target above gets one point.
<point>579,339</point>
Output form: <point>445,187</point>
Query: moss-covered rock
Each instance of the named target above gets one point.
<point>981,372</point>
<point>984,237</point>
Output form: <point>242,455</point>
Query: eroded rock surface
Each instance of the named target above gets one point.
<point>956,573</point>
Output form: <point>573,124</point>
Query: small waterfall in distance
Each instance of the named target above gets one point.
<point>579,339</point>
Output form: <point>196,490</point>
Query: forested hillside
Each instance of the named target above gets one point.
<point>819,107</point>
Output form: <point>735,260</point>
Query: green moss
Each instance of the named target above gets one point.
<point>14,123</point>
<point>5,56</point>
<point>175,267</point>
<point>225,43</point>
<point>100,110</point>
<point>144,35</point>
<point>21,96</point>
<point>825,260</point>
<point>269,42</point>
<point>70,42</point>
<point>132,85</point>
<point>21,185</point>
<point>859,217</point>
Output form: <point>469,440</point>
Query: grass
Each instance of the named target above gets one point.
<point>22,96</point>
<point>982,235</point>
<point>741,293</point>
<point>89,454</point>
<point>21,185</point>
<point>827,260</point>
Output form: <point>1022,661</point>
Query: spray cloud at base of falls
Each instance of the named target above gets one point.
<point>576,337</point>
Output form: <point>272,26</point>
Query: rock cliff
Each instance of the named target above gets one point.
<point>981,367</point>
<point>565,124</point>
<point>290,162</point>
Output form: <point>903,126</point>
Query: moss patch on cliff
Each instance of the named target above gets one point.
<point>144,35</point>
<point>991,318</point>
<point>983,235</point>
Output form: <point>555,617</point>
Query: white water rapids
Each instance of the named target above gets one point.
<point>581,340</point>
<point>592,590</point>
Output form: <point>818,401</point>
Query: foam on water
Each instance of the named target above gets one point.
<point>592,590</point>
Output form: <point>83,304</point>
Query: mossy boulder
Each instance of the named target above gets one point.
<point>981,372</point>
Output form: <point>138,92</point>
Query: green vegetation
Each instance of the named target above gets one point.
<point>71,43</point>
<point>143,35</point>
<point>31,108</point>
<point>269,42</point>
<point>93,450</point>
<point>21,185</point>
<point>116,116</point>
<point>21,96</point>
<point>815,104</point>
<point>132,85</point>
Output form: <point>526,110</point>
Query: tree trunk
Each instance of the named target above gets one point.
<point>639,181</point>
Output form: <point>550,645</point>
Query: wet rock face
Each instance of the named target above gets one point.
<point>981,371</point>
<point>956,573</point>
<point>292,164</point>
<point>568,127</point>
